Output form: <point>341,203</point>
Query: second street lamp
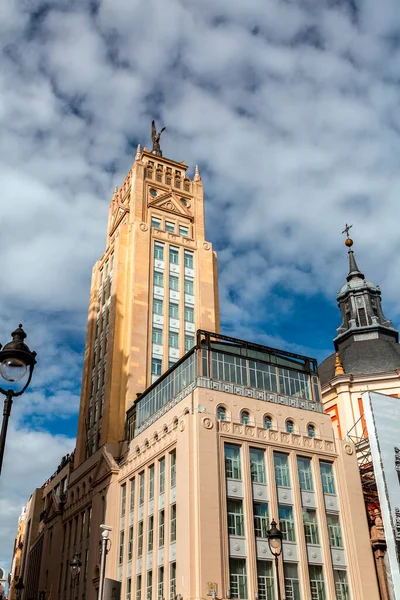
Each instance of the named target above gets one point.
<point>75,566</point>
<point>16,362</point>
<point>274,536</point>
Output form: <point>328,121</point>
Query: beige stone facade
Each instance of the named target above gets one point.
<point>15,571</point>
<point>153,287</point>
<point>342,399</point>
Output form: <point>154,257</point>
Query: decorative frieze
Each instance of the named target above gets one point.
<point>256,394</point>
<point>278,437</point>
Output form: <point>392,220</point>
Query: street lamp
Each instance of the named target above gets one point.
<point>274,536</point>
<point>104,551</point>
<point>15,361</point>
<point>75,566</point>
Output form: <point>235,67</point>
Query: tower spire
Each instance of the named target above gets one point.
<point>360,305</point>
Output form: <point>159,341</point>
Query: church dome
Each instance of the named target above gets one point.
<point>364,357</point>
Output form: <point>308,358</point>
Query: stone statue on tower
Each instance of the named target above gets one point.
<point>156,139</point>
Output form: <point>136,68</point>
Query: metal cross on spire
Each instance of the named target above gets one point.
<point>347,229</point>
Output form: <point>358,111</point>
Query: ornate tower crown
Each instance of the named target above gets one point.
<point>359,301</point>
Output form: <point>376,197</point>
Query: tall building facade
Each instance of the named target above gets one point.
<point>153,287</point>
<point>366,358</point>
<point>190,442</point>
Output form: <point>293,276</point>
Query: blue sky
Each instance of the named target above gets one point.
<point>291,109</point>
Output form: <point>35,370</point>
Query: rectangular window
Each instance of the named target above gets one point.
<point>305,473</point>
<point>173,523</point>
<point>294,383</point>
<point>173,339</point>
<point>265,579</point>
<point>158,308</point>
<point>160,585</point>
<point>121,548</point>
<point>263,376</point>
<point>172,581</point>
<point>327,479</point>
<point>132,496</point>
<point>89,521</point>
<point>128,588</point>
<point>257,465</point>
<point>159,251</point>
<point>183,230</point>
<point>189,342</point>
<point>169,226</point>
<point>157,335</point>
<point>310,526</point>
<point>173,310</point>
<point>156,366</point>
<point>235,517</point>
<point>150,534</point>
<point>238,578</point>
<point>173,468</point>
<point>261,519</point>
<point>232,462</point>
<point>188,259</point>
<point>130,542</point>
<point>173,255</point>
<point>140,539</point>
<point>335,532</point>
<point>141,488</point>
<point>162,475</point>
<point>292,583</point>
<point>149,590</point>
<point>286,522</point>
<point>138,587</point>
<point>341,585</point>
<point>189,287</point>
<point>174,283</point>
<point>189,314</point>
<point>155,222</point>
<point>158,279</point>
<point>281,463</point>
<point>317,584</point>
<point>123,500</point>
<point>151,482</point>
<point>161,528</point>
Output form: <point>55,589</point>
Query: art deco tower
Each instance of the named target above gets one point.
<point>154,286</point>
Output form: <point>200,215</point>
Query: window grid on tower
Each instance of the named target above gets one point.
<point>158,308</point>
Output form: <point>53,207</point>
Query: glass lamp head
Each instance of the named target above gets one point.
<point>12,369</point>
<point>275,539</point>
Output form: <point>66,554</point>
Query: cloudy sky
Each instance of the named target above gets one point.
<point>291,109</point>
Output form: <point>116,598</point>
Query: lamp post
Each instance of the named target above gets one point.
<point>104,551</point>
<point>274,536</point>
<point>75,566</point>
<point>15,361</point>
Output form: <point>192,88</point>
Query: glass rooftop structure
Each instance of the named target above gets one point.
<point>234,366</point>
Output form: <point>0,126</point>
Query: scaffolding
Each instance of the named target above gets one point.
<point>365,465</point>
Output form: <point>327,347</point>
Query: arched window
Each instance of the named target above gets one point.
<point>267,422</point>
<point>310,430</point>
<point>289,426</point>
<point>221,413</point>
<point>245,417</point>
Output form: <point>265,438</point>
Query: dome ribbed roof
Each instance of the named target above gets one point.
<point>363,358</point>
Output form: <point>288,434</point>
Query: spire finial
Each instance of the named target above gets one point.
<point>115,189</point>
<point>339,370</point>
<point>197,173</point>
<point>138,152</point>
<point>354,271</point>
